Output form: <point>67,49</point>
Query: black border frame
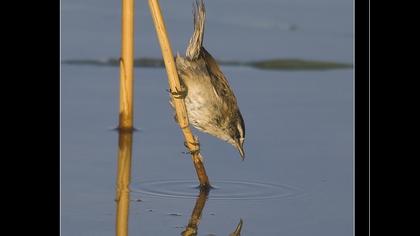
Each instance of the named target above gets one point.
<point>362,117</point>
<point>39,117</point>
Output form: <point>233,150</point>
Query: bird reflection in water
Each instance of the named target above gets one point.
<point>192,228</point>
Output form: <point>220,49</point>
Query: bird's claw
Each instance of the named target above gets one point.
<point>196,144</point>
<point>178,94</point>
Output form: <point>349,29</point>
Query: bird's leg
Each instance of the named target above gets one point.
<point>176,95</point>
<point>171,102</point>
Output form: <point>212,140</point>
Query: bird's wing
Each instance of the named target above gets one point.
<point>218,79</point>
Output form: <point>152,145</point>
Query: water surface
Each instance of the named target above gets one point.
<point>299,123</point>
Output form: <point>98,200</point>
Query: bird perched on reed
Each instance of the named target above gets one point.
<point>211,104</point>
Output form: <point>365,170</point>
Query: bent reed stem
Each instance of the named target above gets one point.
<point>191,142</point>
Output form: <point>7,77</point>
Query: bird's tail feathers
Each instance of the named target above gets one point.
<point>196,41</point>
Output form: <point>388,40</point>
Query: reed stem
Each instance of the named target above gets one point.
<point>175,86</point>
<point>126,65</point>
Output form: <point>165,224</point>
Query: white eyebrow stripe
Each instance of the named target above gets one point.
<point>241,132</point>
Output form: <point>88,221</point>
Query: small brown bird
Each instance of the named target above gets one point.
<point>211,104</point>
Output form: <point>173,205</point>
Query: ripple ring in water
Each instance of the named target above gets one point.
<point>222,189</point>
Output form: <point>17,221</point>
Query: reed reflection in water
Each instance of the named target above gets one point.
<point>192,227</point>
<point>125,143</point>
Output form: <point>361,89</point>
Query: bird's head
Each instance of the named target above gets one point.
<point>236,133</point>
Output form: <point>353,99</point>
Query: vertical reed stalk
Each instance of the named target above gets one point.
<point>125,141</point>
<point>174,84</point>
<point>126,65</point>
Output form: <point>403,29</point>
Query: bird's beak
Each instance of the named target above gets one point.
<point>237,231</point>
<point>240,146</point>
